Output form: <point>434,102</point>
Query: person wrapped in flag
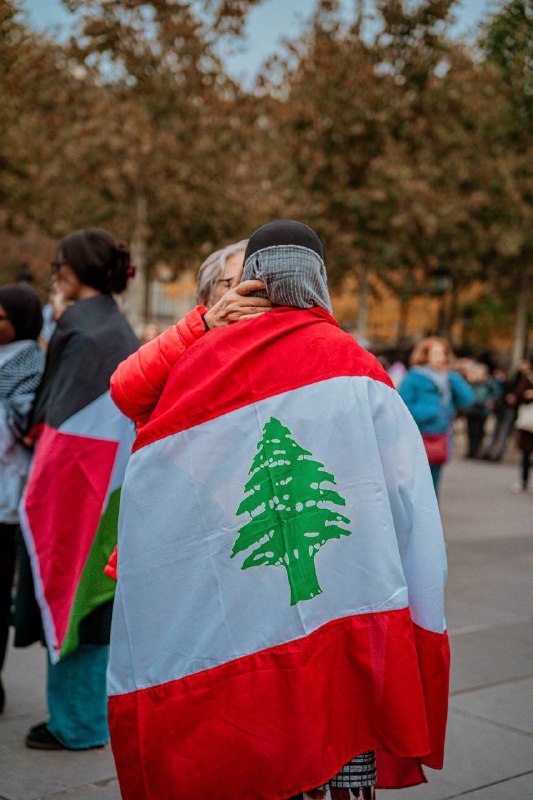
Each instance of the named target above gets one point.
<point>69,510</point>
<point>279,620</point>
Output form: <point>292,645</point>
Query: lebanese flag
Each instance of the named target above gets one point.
<point>281,574</point>
<point>69,515</point>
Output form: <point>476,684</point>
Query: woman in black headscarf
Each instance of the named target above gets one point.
<point>21,367</point>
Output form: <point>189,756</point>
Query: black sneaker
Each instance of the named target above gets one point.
<point>40,738</point>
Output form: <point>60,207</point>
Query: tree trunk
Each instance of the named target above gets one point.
<point>453,308</point>
<point>441,316</point>
<point>520,322</point>
<point>362,311</point>
<point>302,576</point>
<point>405,303</point>
<point>359,15</point>
<point>137,301</point>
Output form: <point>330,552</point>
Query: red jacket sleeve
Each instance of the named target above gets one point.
<point>137,383</point>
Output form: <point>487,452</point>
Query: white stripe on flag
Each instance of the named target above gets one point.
<point>46,617</point>
<point>183,605</point>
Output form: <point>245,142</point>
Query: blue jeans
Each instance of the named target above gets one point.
<point>77,699</point>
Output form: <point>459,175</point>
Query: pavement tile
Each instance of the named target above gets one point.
<point>25,683</point>
<point>493,655</point>
<point>477,503</point>
<point>30,774</point>
<point>106,790</point>
<point>478,753</point>
<point>514,789</point>
<point>488,582</point>
<point>510,704</point>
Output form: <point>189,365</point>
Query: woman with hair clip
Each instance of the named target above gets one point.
<point>70,506</point>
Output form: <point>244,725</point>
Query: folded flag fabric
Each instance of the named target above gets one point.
<point>69,510</point>
<point>280,575</point>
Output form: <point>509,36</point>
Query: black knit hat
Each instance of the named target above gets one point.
<point>23,308</point>
<point>288,257</point>
<point>284,231</point>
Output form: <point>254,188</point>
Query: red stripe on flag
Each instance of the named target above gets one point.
<point>247,362</point>
<point>433,651</point>
<point>63,504</point>
<point>283,720</point>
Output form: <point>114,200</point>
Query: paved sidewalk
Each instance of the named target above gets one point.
<point>490,742</point>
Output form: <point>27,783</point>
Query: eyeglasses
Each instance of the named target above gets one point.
<point>228,282</point>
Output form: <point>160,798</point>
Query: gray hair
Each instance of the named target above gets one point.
<point>212,268</point>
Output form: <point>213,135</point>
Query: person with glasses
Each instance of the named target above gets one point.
<point>222,299</point>
<point>70,503</point>
<point>21,367</point>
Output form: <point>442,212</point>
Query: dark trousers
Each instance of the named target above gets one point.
<point>526,465</point>
<point>8,550</point>
<point>476,431</point>
<point>495,447</point>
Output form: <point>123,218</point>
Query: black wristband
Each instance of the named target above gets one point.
<point>206,326</point>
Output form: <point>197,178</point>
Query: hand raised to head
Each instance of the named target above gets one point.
<point>236,305</point>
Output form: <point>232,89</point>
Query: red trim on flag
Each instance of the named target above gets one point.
<point>286,719</point>
<point>433,652</point>
<point>232,367</point>
<point>63,504</point>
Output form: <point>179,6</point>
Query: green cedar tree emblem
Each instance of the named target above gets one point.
<point>290,512</point>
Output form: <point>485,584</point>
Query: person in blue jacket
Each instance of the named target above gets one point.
<point>432,392</point>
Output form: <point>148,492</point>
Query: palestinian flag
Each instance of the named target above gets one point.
<point>69,510</point>
<point>280,575</point>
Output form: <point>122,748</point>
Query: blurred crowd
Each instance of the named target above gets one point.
<point>495,412</point>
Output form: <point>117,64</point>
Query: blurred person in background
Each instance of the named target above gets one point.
<point>522,400</point>
<point>70,506</point>
<point>21,368</point>
<point>51,312</point>
<point>433,394</point>
<point>486,392</point>
<point>505,412</point>
<point>397,371</point>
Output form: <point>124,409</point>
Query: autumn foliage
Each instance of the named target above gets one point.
<point>408,148</point>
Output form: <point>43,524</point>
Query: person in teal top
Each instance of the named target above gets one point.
<point>432,392</point>
<point>486,392</point>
